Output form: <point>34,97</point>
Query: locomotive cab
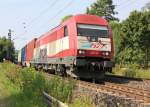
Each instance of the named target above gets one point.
<point>93,40</point>
<point>94,50</point>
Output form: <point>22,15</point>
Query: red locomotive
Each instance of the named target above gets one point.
<point>82,46</point>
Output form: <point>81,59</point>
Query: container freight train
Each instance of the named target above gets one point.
<point>82,46</point>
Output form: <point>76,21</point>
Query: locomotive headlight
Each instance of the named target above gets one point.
<point>81,52</point>
<point>107,53</point>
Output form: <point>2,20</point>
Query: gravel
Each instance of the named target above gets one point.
<point>102,99</point>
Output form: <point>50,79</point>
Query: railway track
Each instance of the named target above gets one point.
<point>135,94</point>
<point>113,77</point>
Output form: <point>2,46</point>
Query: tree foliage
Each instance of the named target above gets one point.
<point>65,18</point>
<point>103,8</point>
<point>116,30</point>
<point>135,41</point>
<point>6,49</point>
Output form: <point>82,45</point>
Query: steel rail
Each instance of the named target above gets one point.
<point>115,89</point>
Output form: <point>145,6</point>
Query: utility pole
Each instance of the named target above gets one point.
<point>9,34</point>
<point>8,57</point>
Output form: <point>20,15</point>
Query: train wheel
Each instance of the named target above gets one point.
<point>61,70</point>
<point>70,72</point>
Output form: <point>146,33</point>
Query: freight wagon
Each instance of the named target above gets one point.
<point>82,46</point>
<point>23,56</point>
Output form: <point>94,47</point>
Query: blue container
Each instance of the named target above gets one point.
<point>23,54</point>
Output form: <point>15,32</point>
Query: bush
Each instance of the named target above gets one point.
<point>130,73</point>
<point>31,84</point>
<point>132,70</point>
<point>60,88</point>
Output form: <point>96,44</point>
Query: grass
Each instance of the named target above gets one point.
<point>84,101</point>
<point>61,89</point>
<point>132,71</point>
<point>19,86</point>
<point>23,87</point>
<point>7,88</point>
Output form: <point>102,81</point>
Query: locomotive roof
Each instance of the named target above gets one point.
<point>90,19</point>
<point>80,18</point>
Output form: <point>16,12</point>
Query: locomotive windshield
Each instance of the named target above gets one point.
<point>92,30</point>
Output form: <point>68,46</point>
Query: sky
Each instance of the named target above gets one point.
<point>30,19</point>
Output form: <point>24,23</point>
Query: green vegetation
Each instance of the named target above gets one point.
<point>103,8</point>
<point>60,88</point>
<point>132,40</point>
<point>132,71</point>
<point>135,42</point>
<point>132,45</point>
<point>7,50</point>
<point>23,87</point>
<point>116,29</point>
<point>84,101</point>
<point>65,18</point>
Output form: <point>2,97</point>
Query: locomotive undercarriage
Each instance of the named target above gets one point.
<point>85,73</point>
<point>83,67</point>
<point>90,68</point>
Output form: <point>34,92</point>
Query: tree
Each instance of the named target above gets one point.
<point>6,49</point>
<point>116,30</point>
<point>65,18</point>
<point>135,42</point>
<point>103,8</point>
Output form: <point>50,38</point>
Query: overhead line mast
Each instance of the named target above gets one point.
<point>9,34</point>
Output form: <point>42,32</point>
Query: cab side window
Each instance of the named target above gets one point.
<point>65,31</point>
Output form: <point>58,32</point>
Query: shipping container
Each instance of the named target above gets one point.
<point>23,54</point>
<point>30,50</point>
